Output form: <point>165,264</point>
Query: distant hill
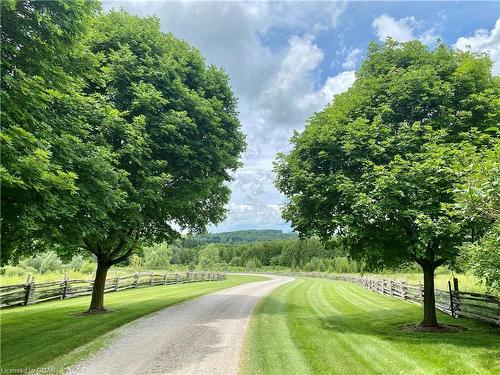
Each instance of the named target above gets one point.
<point>243,236</point>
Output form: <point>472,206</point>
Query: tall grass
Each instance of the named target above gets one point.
<point>9,279</point>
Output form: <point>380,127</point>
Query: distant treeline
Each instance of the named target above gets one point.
<point>308,254</point>
<point>241,236</point>
<point>190,253</point>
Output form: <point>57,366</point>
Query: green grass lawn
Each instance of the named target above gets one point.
<point>316,326</point>
<point>41,335</point>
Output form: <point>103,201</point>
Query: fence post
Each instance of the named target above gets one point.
<point>421,292</point>
<point>457,295</point>
<point>136,280</point>
<point>177,277</point>
<point>150,278</point>
<point>65,286</point>
<point>392,287</point>
<point>165,278</point>
<point>383,285</point>
<point>28,289</point>
<point>403,290</point>
<point>117,282</point>
<point>452,309</point>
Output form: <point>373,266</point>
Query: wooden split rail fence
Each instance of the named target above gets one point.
<point>31,292</point>
<point>453,302</point>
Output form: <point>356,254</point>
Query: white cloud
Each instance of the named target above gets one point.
<point>282,99</point>
<point>337,84</point>
<point>388,27</point>
<point>352,58</point>
<point>334,85</point>
<point>484,41</point>
<point>278,89</point>
<point>290,96</point>
<point>335,10</point>
<point>429,37</point>
<point>301,15</point>
<point>403,30</point>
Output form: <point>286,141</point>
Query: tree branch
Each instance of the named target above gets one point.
<point>124,256</point>
<point>129,251</point>
<point>118,249</point>
<point>89,247</point>
<point>439,262</point>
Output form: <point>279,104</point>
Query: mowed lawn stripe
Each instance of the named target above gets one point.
<point>391,310</point>
<point>321,359</point>
<point>339,327</point>
<point>362,346</point>
<point>33,336</point>
<point>279,355</point>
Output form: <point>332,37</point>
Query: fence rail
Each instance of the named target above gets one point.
<point>31,292</point>
<point>453,302</point>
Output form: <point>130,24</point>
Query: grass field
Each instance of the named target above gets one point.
<point>41,335</point>
<point>316,326</point>
<point>71,274</point>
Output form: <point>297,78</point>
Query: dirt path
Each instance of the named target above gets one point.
<point>202,336</point>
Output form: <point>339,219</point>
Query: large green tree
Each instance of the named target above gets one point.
<point>378,166</point>
<point>179,139</point>
<point>113,133</point>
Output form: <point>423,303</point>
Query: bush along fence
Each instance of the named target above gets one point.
<point>452,302</point>
<point>31,292</point>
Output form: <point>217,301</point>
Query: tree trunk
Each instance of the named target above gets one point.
<point>430,319</point>
<point>97,302</point>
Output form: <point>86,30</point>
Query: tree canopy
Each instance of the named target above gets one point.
<point>115,133</point>
<point>378,166</point>
<point>45,118</point>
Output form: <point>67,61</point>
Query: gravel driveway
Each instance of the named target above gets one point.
<point>201,336</point>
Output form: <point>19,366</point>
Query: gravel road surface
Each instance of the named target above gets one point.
<point>201,336</point>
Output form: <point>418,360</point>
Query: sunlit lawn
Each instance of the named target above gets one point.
<point>317,326</point>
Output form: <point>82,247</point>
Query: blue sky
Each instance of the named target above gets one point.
<point>287,60</point>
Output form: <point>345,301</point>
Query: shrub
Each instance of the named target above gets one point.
<point>315,264</point>
<point>236,261</point>
<point>157,257</point>
<point>208,257</point>
<point>76,262</point>
<point>253,264</point>
<point>135,261</point>
<point>87,267</point>
<point>32,263</point>
<point>275,261</point>
<point>50,262</point>
<point>483,259</point>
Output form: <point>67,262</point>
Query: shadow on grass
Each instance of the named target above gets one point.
<point>387,324</point>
